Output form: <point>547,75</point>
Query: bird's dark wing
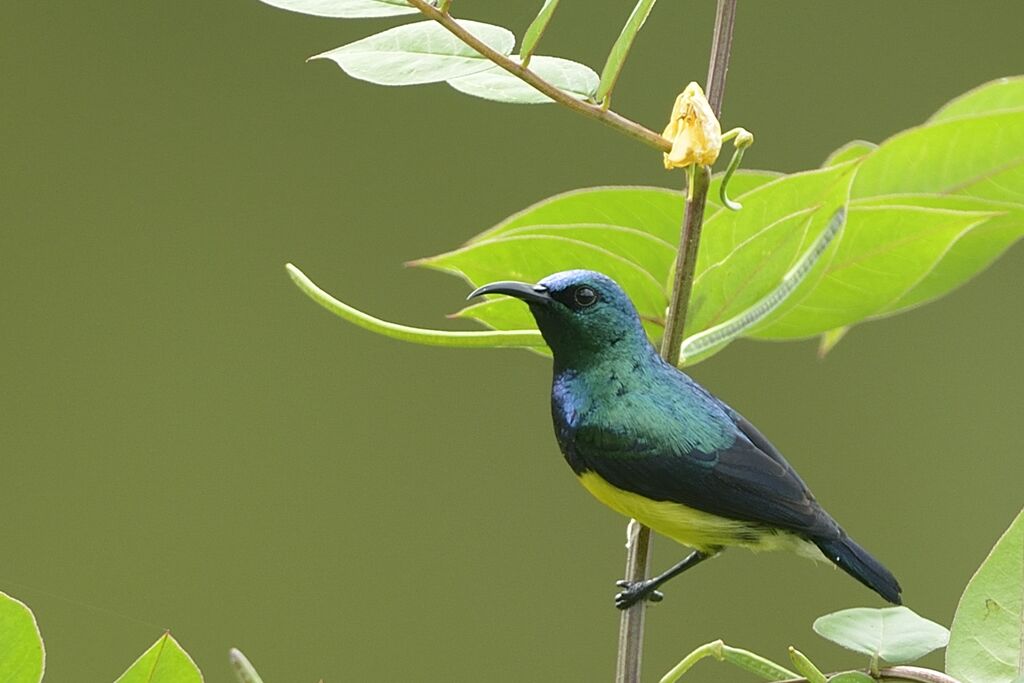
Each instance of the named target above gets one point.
<point>747,479</point>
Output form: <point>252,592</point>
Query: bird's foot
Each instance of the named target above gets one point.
<point>635,591</point>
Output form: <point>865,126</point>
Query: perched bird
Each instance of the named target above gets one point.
<point>651,443</point>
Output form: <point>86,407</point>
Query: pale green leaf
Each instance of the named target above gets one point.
<point>986,644</point>
<point>163,662</point>
<point>653,210</point>
<point>345,9</point>
<point>968,255</point>
<point>998,95</point>
<point>894,634</point>
<point>745,254</point>
<point>423,52</point>
<point>978,156</point>
<point>577,80</point>
<point>21,646</point>
<point>883,254</point>
<point>620,50</point>
<point>642,248</point>
<point>849,152</point>
<point>537,27</point>
<point>245,672</point>
<point>530,258</point>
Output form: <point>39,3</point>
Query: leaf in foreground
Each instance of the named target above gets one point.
<point>21,647</point>
<point>345,9</point>
<point>424,52</point>
<point>164,662</point>
<point>572,78</point>
<point>894,634</point>
<point>986,644</point>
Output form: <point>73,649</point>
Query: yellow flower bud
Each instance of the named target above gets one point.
<point>693,130</point>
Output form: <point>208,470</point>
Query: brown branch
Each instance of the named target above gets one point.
<point>593,111</point>
<point>638,560</point>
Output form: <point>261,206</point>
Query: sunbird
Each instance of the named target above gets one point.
<point>651,443</point>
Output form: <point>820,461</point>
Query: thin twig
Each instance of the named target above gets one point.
<point>631,624</point>
<point>594,111</point>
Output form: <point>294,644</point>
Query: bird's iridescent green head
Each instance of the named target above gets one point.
<point>582,314</point>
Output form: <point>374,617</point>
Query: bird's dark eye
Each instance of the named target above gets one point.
<point>584,296</point>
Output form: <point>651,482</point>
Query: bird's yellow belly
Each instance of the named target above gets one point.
<point>686,525</point>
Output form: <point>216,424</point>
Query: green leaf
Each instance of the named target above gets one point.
<point>884,253</point>
<point>704,343</point>
<point>537,27</point>
<point>978,156</point>
<point>496,84</point>
<point>345,9</point>
<point>532,257</point>
<point>245,672</point>
<point>998,95</point>
<point>22,656</point>
<point>894,634</point>
<point>986,644</point>
<point>849,152</point>
<point>424,52</point>
<point>620,50</point>
<point>163,662</point>
<point>968,255</point>
<point>745,254</point>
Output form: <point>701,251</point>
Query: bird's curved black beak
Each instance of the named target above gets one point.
<point>531,294</point>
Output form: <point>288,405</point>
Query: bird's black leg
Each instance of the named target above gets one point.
<point>638,590</point>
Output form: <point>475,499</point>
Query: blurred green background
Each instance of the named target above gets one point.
<point>189,443</point>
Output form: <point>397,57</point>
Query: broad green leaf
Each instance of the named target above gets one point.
<point>653,210</point>
<point>245,672</point>
<point>986,644</point>
<point>645,250</point>
<point>537,27</point>
<point>345,9</point>
<point>968,255</point>
<point>978,156</point>
<point>894,634</point>
<point>424,52</point>
<point>620,50</point>
<point>530,258</point>
<point>850,151</point>
<point>708,341</point>
<point>21,646</point>
<point>998,95</point>
<point>499,85</point>
<point>745,254</point>
<point>163,662</point>
<point>884,253</point>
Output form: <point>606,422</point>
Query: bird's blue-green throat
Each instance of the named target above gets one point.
<point>651,443</point>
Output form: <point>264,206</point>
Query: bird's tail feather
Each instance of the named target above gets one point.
<point>859,564</point>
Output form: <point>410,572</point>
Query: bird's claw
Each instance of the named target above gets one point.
<point>635,592</point>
